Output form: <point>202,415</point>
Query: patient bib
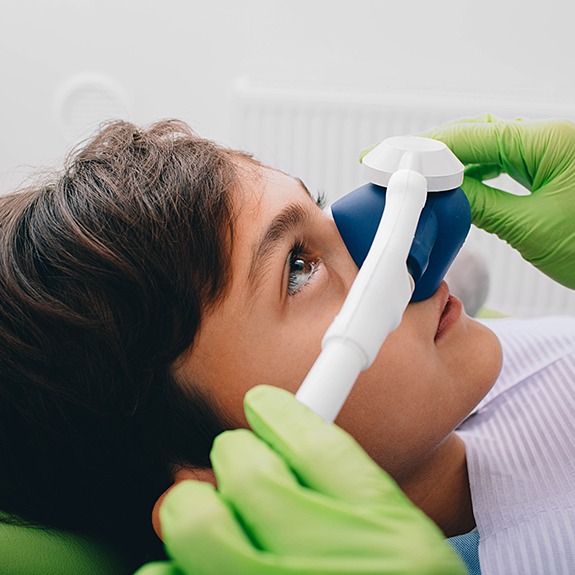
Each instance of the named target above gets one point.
<point>521,452</point>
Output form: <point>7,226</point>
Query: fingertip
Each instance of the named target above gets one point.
<point>262,394</point>
<point>475,192</point>
<point>238,457</point>
<point>197,519</point>
<point>491,208</point>
<point>180,475</point>
<point>188,509</point>
<point>265,404</point>
<point>233,439</point>
<point>183,496</point>
<point>158,568</point>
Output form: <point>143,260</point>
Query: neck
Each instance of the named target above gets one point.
<point>440,488</point>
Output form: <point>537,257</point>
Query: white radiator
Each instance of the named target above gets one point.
<point>318,136</point>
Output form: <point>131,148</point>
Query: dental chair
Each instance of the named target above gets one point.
<point>34,551</point>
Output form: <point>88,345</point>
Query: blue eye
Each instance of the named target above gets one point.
<point>300,271</point>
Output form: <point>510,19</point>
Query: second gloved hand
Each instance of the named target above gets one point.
<point>540,155</point>
<point>296,497</point>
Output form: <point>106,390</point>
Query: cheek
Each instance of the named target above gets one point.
<point>387,410</point>
<point>269,351</point>
<point>415,394</point>
<point>289,348</point>
<point>278,348</point>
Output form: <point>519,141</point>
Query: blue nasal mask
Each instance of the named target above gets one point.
<point>403,229</point>
<point>443,226</point>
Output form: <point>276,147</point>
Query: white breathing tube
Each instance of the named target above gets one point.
<point>383,287</point>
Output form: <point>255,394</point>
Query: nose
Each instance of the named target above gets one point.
<point>346,263</point>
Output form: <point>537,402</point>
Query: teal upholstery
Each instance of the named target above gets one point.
<point>32,551</point>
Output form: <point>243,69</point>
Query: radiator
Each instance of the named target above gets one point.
<point>317,135</point>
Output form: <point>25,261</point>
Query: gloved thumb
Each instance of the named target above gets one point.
<point>492,209</point>
<point>327,459</point>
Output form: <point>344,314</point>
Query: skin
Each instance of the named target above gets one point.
<point>403,410</point>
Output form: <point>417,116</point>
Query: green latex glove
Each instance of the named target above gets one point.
<point>540,155</point>
<point>296,497</point>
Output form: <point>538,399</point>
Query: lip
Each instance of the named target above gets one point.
<point>449,311</point>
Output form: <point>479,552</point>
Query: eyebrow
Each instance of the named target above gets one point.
<point>284,224</point>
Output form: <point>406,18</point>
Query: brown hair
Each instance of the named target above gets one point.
<point>105,273</point>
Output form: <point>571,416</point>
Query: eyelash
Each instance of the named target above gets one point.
<point>298,252</point>
<point>321,199</point>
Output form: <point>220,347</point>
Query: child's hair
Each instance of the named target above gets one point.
<point>105,274</point>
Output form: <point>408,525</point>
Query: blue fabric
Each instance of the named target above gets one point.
<point>467,547</point>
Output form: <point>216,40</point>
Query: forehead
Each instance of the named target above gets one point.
<point>264,192</point>
<point>267,186</point>
<point>262,195</point>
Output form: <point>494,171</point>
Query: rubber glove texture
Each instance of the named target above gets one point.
<point>296,496</point>
<point>540,155</point>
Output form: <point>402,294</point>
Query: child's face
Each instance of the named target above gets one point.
<point>291,273</point>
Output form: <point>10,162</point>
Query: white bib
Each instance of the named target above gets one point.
<point>521,452</point>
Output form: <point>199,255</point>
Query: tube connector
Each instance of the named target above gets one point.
<point>431,158</point>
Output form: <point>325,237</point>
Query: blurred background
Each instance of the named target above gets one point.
<point>304,85</point>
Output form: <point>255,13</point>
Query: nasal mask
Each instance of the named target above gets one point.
<point>403,229</point>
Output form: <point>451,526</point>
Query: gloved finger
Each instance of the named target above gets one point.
<point>479,119</point>
<point>433,132</point>
<point>261,488</point>
<point>159,568</point>
<point>493,209</point>
<point>202,534</point>
<point>472,142</point>
<point>324,457</point>
<point>482,172</point>
<point>509,145</point>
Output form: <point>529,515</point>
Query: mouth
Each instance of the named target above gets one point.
<point>450,309</point>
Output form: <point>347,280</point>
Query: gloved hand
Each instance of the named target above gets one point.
<point>540,155</point>
<point>296,497</point>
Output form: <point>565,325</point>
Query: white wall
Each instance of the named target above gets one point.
<point>181,58</point>
<point>67,65</point>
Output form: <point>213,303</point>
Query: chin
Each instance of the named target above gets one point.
<point>486,356</point>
